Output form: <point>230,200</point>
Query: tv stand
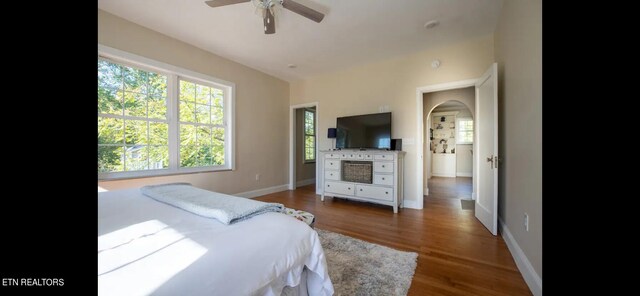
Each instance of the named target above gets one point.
<point>374,176</point>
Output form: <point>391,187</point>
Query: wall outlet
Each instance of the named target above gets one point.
<point>257,177</point>
<point>526,221</point>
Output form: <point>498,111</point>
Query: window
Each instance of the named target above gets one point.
<point>157,119</point>
<point>309,135</point>
<point>465,131</point>
<point>132,119</point>
<point>201,125</point>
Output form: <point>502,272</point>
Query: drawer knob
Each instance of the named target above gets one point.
<point>386,192</point>
<point>383,165</point>
<point>328,185</point>
<point>349,188</point>
<point>360,189</point>
<point>331,163</point>
<point>382,179</point>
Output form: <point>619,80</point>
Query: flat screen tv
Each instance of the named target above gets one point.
<point>369,131</point>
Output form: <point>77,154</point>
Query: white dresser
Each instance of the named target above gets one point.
<point>370,175</point>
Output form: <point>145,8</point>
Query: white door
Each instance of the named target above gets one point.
<point>487,149</point>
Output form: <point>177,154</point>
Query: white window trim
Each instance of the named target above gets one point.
<point>458,129</point>
<point>173,73</point>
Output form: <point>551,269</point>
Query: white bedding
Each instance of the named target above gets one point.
<point>147,247</point>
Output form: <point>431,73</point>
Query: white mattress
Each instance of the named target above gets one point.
<point>147,247</point>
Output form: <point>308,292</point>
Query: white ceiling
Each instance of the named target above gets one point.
<point>353,32</point>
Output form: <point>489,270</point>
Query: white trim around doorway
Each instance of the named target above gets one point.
<point>292,142</point>
<point>420,91</point>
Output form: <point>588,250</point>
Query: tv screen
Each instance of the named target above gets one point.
<point>364,131</point>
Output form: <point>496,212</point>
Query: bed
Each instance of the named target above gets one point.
<point>148,247</point>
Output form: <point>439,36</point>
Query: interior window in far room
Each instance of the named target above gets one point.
<point>465,131</point>
<point>309,135</point>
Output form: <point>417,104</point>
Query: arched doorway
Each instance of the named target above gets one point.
<point>449,136</point>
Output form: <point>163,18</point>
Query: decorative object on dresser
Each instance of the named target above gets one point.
<point>396,144</point>
<point>331,134</point>
<point>371,175</point>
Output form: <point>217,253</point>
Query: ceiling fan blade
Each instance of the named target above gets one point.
<point>269,22</point>
<point>303,10</point>
<point>216,3</point>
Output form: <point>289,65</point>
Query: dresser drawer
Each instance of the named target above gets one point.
<point>383,179</point>
<point>332,175</point>
<point>332,155</point>
<point>340,188</point>
<point>383,157</point>
<point>382,167</point>
<point>364,156</point>
<point>380,193</point>
<point>331,164</point>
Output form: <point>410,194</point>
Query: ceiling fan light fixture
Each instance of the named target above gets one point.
<point>267,9</point>
<point>265,4</point>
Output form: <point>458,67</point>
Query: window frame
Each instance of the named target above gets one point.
<point>459,130</point>
<point>305,135</point>
<point>174,74</point>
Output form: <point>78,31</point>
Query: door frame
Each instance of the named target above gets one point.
<point>292,141</point>
<point>420,91</point>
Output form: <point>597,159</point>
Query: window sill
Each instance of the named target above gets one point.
<point>309,161</point>
<point>158,173</point>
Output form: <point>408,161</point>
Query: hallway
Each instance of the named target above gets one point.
<point>443,187</point>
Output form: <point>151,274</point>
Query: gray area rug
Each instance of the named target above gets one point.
<point>357,267</point>
<point>468,204</point>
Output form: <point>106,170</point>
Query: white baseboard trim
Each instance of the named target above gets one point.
<point>464,174</point>
<point>411,204</point>
<point>444,175</point>
<point>530,276</point>
<point>263,191</point>
<point>305,182</point>
<point>425,190</point>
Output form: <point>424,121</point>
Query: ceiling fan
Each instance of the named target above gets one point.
<point>268,6</point>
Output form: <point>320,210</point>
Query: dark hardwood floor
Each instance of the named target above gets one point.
<point>456,253</point>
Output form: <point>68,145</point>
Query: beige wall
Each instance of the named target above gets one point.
<point>518,51</point>
<point>363,89</point>
<point>466,96</point>
<point>304,171</point>
<point>261,109</point>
